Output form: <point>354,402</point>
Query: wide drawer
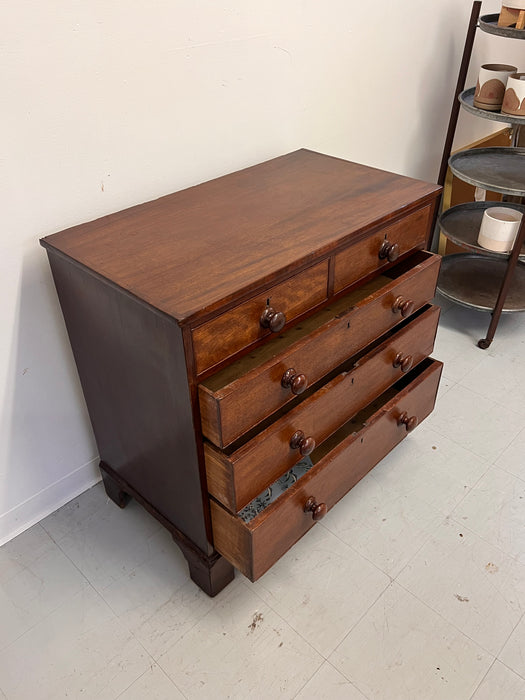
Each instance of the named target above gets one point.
<point>338,464</point>
<point>241,326</point>
<point>236,478</point>
<point>248,391</point>
<point>376,251</point>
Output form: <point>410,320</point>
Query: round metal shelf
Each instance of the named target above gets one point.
<point>461,224</point>
<point>474,281</point>
<point>496,169</point>
<point>489,23</point>
<point>467,102</point>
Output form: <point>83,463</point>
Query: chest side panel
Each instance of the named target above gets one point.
<point>132,368</point>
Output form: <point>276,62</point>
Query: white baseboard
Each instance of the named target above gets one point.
<point>42,504</point>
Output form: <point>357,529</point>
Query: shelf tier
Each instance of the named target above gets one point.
<point>466,99</point>
<point>496,169</point>
<point>461,224</point>
<point>489,24</point>
<point>474,281</point>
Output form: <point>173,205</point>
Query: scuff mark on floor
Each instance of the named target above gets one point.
<point>256,619</point>
<point>461,598</point>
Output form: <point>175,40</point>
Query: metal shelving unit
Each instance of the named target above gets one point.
<point>480,278</point>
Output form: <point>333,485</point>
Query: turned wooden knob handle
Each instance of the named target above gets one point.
<point>403,306</point>
<point>409,422</point>
<point>389,251</point>
<point>305,445</point>
<point>296,382</point>
<point>318,510</point>
<point>404,362</point>
<point>272,319</point>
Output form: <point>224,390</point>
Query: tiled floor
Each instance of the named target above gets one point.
<point>412,587</point>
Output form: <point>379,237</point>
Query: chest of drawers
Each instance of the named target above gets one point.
<point>251,347</point>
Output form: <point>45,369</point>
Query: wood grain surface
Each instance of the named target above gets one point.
<point>190,252</point>
<point>362,258</point>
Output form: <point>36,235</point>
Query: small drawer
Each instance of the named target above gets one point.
<point>235,479</point>
<point>239,397</point>
<point>338,464</point>
<point>243,325</point>
<point>381,248</point>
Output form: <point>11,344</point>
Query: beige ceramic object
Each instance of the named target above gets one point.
<point>514,99</point>
<point>490,87</point>
<point>499,227</point>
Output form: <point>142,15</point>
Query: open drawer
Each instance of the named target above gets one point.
<point>237,476</point>
<point>254,545</point>
<point>242,395</point>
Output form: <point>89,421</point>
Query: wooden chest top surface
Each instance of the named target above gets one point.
<point>193,251</point>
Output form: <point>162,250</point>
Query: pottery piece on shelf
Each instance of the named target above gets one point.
<point>512,12</point>
<point>490,87</point>
<point>514,99</point>
<point>499,227</point>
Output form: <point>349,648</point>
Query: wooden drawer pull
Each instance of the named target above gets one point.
<point>388,250</point>
<point>403,306</point>
<point>405,362</point>
<point>409,422</point>
<point>305,445</point>
<point>296,382</point>
<point>318,510</point>
<point>272,319</point>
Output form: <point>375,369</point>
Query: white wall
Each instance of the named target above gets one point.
<point>109,103</point>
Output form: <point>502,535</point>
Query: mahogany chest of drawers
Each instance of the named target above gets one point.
<point>251,347</point>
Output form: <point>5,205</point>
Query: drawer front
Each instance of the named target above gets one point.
<point>361,259</point>
<point>238,328</point>
<point>236,479</point>
<point>231,408</point>
<point>255,546</point>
